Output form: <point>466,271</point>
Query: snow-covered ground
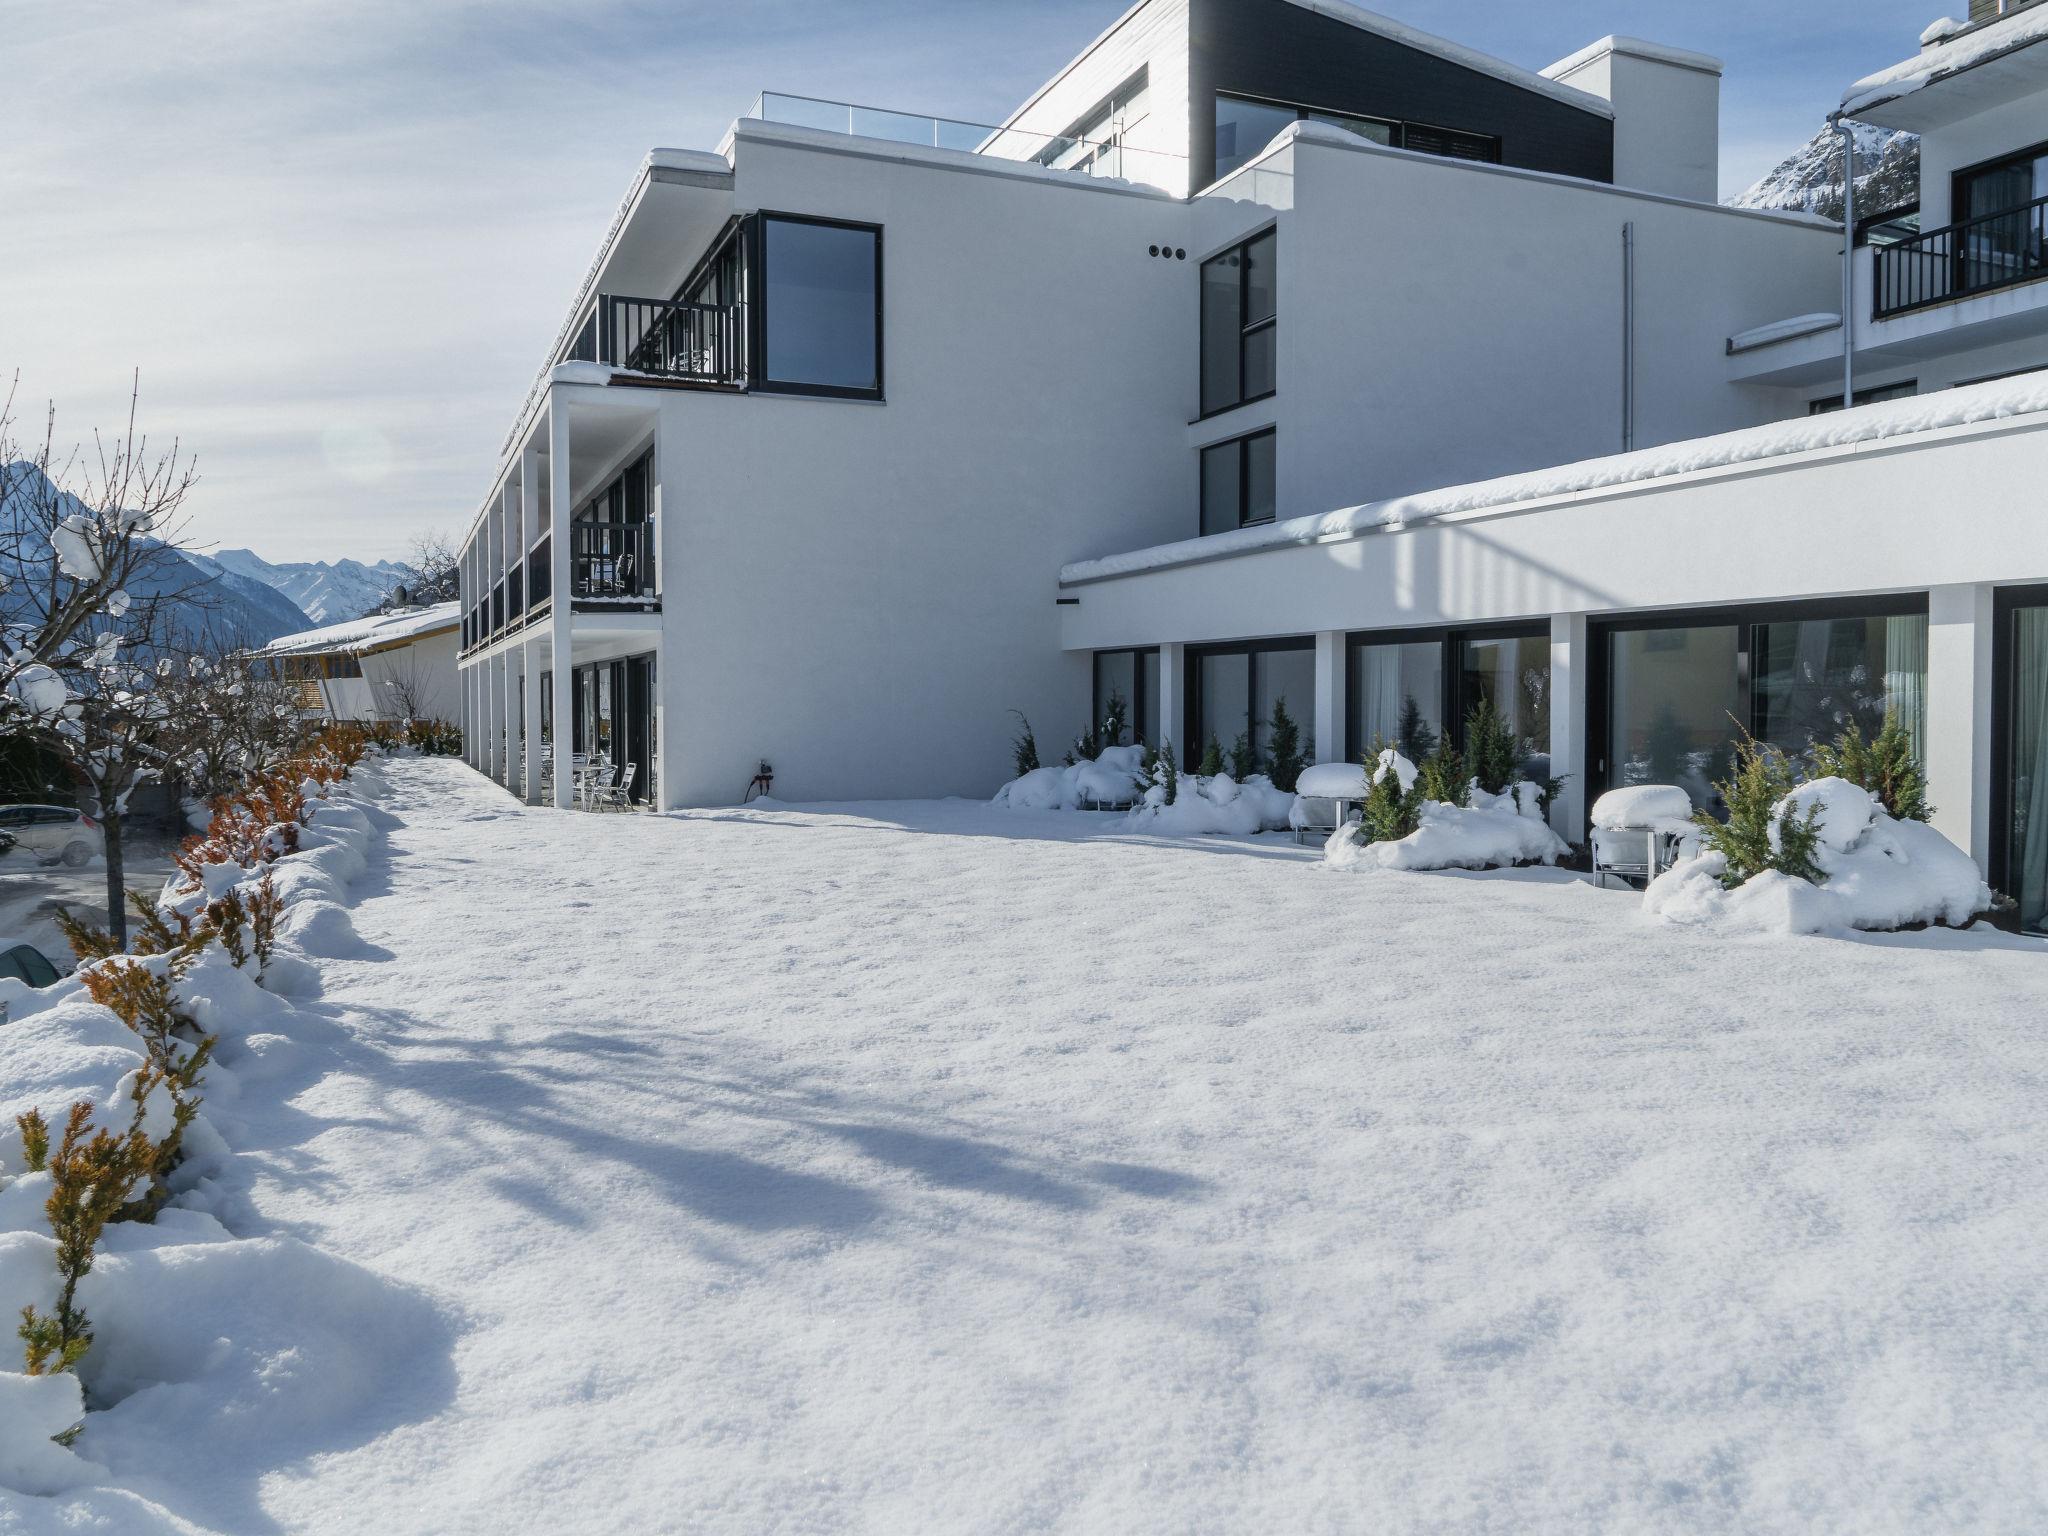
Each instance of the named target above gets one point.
<point>943,1167</point>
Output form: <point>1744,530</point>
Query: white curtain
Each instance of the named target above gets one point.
<point>1905,676</point>
<point>1379,699</point>
<point>2029,765</point>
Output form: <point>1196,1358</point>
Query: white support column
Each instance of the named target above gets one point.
<point>494,735</point>
<point>668,678</point>
<point>469,736</point>
<point>1957,739</point>
<point>1330,697</point>
<point>533,652</point>
<point>1173,672</point>
<point>1570,759</point>
<point>515,754</point>
<point>560,619</point>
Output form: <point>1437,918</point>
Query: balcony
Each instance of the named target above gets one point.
<point>1981,255</point>
<point>701,343</point>
<point>612,564</point>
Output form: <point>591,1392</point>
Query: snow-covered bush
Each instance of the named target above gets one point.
<point>1756,837</point>
<point>1113,780</point>
<point>1404,826</point>
<point>108,1226</point>
<point>1870,870</point>
<point>1218,804</point>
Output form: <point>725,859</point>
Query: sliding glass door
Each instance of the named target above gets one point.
<point>1232,690</point>
<point>614,718</point>
<point>1408,687</point>
<point>1681,689</point>
<point>2020,794</point>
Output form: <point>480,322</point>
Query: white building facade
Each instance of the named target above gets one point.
<point>384,666</point>
<point>872,429</point>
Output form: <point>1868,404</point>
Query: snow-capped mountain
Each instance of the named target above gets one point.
<point>329,593</point>
<point>234,609</point>
<point>1887,175</point>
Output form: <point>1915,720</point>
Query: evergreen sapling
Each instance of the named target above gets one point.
<point>1244,762</point>
<point>1755,838</point>
<point>1212,758</point>
<point>1024,746</point>
<point>1166,773</point>
<point>1887,766</point>
<point>1283,754</point>
<point>1496,755</point>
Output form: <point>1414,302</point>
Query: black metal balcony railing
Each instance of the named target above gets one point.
<point>515,592</point>
<point>705,342</point>
<point>1979,255</point>
<point>539,573</point>
<point>611,561</point>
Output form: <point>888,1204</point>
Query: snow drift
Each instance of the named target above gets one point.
<point>1882,874</point>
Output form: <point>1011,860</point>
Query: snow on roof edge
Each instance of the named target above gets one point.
<point>2001,399</point>
<point>1965,51</point>
<point>1784,330</point>
<point>371,630</point>
<point>1642,48</point>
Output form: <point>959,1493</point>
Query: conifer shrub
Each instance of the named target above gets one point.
<point>1753,839</point>
<point>434,738</point>
<point>1414,739</point>
<point>1212,758</point>
<point>175,1052</point>
<point>1443,777</point>
<point>1283,751</point>
<point>1886,765</point>
<point>1024,746</point>
<point>1389,812</point>
<point>91,1178</point>
<point>1244,762</point>
<point>35,1139</point>
<point>1496,756</point>
<point>1166,773</point>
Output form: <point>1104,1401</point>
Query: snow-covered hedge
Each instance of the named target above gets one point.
<point>196,1331</point>
<point>1114,780</point>
<point>1881,873</point>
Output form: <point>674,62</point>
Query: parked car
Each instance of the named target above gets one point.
<point>54,833</point>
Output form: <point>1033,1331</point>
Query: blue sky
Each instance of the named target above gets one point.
<point>337,235</point>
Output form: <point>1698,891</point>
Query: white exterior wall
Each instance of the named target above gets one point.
<point>1988,135</point>
<point>1153,36</point>
<point>860,592</point>
<point>1442,322</point>
<point>1667,115</point>
<point>427,665</point>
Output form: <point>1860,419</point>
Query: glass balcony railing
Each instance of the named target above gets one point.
<point>1113,157</point>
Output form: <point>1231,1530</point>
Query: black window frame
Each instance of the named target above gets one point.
<point>1491,145</point>
<point>1964,174</point>
<point>1242,443</point>
<point>1745,619</point>
<point>1876,394</point>
<point>760,299</point>
<point>1240,249</point>
<point>2005,605</point>
<point>1191,688</point>
<point>1140,693</point>
<point>1455,701</point>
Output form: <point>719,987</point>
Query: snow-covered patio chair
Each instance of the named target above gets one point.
<point>1325,795</point>
<point>1641,831</point>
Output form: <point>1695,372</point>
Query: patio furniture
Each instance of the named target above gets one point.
<point>616,792</point>
<point>1641,831</point>
<point>1325,796</point>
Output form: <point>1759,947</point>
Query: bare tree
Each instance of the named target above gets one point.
<point>90,574</point>
<point>406,688</point>
<point>433,561</point>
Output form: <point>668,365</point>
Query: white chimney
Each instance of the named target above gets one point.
<point>1667,113</point>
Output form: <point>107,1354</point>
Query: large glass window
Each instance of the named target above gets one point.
<point>1675,699</point>
<point>1238,482</point>
<point>1513,674</point>
<point>822,307</point>
<point>1244,127</point>
<point>2025,792</point>
<point>1816,677</point>
<point>1233,691</point>
<point>1397,696</point>
<point>1131,677</point>
<point>1680,696</point>
<point>1240,300</point>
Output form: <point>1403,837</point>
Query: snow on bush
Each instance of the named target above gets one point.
<point>1217,805</point>
<point>1113,780</point>
<point>186,1330</point>
<point>1880,873</point>
<point>1489,832</point>
<point>1497,835</point>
